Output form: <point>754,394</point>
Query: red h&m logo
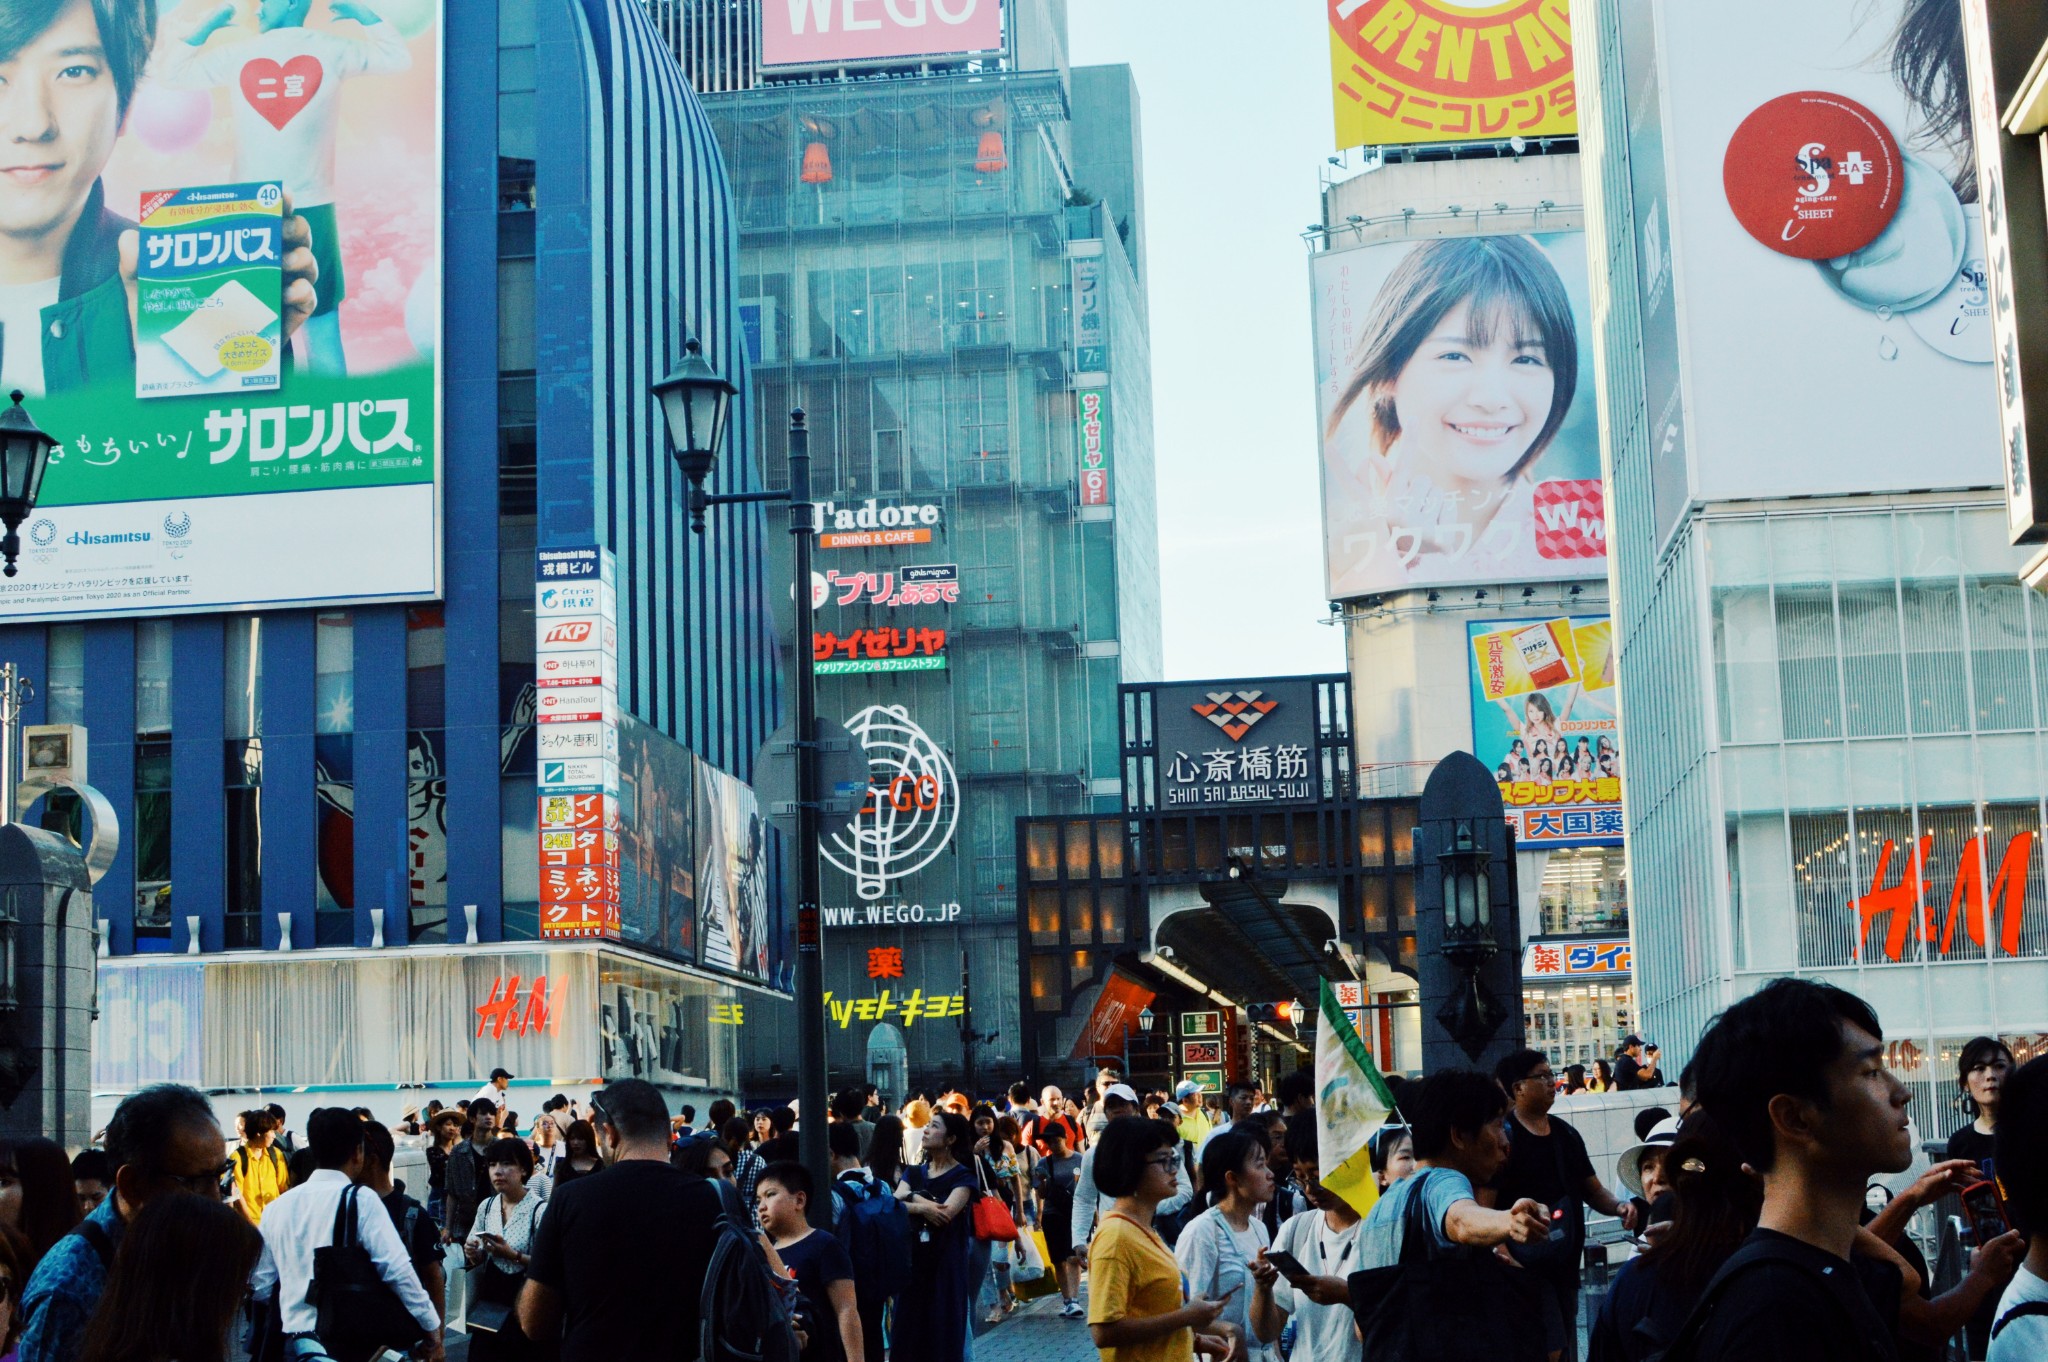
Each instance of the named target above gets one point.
<point>1904,904</point>
<point>541,1013</point>
<point>577,631</point>
<point>1571,519</point>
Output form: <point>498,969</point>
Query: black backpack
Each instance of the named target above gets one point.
<point>746,1309</point>
<point>1405,1312</point>
<point>1751,1255</point>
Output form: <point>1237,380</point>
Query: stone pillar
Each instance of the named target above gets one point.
<point>48,988</point>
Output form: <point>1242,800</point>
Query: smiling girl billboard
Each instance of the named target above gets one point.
<point>1458,438</point>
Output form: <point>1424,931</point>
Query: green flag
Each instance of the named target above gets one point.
<point>1352,1103</point>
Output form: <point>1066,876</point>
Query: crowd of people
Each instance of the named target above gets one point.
<point>1753,1217</point>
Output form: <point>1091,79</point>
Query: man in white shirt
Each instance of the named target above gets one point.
<point>493,1090</point>
<point>1118,1100</point>
<point>302,1220</point>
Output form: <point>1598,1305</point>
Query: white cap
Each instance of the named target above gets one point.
<point>1122,1090</point>
<point>1629,1168</point>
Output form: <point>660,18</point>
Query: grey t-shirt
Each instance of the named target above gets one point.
<point>1379,1243</point>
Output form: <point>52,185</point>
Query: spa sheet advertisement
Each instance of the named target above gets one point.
<point>220,293</point>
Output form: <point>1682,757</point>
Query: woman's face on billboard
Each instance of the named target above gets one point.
<point>1469,411</point>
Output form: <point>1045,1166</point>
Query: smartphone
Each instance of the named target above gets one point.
<point>1289,1265</point>
<point>1982,1204</point>
<point>1557,1223</point>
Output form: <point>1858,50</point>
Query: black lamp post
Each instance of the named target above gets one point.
<point>1146,1017</point>
<point>1467,931</point>
<point>24,455</point>
<point>697,400</point>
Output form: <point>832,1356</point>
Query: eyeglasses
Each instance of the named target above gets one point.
<point>1165,1158</point>
<point>1540,1076</point>
<point>201,1184</point>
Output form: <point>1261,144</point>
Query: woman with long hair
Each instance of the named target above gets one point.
<point>932,1319</point>
<point>37,1197</point>
<point>1464,372</point>
<point>1602,1077</point>
<point>885,1150</point>
<point>1220,1250</point>
<point>444,1130</point>
<point>1574,1079</point>
<point>1717,1204</point>
<point>175,1286</point>
<point>579,1154</point>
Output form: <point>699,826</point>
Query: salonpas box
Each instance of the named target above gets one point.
<point>209,286</point>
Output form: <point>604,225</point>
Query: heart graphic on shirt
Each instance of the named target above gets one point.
<point>280,92</point>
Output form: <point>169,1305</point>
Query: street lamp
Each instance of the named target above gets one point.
<point>1145,1019</point>
<point>1468,896</point>
<point>24,454</point>
<point>696,399</point>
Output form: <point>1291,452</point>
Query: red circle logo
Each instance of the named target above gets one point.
<point>1813,175</point>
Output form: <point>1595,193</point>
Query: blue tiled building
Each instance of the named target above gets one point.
<point>317,768</point>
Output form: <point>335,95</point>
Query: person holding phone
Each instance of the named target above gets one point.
<point>1135,1309</point>
<point>1311,1259</point>
<point>497,1251</point>
<point>1222,1251</point>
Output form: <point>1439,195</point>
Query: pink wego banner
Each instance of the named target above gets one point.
<point>832,32</point>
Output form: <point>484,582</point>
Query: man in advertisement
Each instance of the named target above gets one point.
<point>285,126</point>
<point>68,70</point>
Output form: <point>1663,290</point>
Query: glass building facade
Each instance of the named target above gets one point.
<point>339,777</point>
<point>1834,709</point>
<point>911,247</point>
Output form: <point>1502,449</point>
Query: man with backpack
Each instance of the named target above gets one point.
<point>1795,1075</point>
<point>258,1167</point>
<point>619,1263</point>
<point>875,1228</point>
<point>416,1228</point>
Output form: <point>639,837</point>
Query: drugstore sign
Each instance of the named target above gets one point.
<point>1576,959</point>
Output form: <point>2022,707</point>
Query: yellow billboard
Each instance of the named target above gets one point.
<point>1451,70</point>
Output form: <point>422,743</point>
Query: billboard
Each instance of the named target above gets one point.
<point>839,32</point>
<point>1460,441</point>
<point>1236,742</point>
<point>275,437</point>
<point>1826,249</point>
<point>1450,70</point>
<point>733,930</point>
<point>1544,721</point>
<point>1095,447</point>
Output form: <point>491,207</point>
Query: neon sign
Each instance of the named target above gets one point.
<point>1904,905</point>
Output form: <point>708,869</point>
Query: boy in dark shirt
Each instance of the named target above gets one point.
<point>819,1262</point>
<point>1795,1075</point>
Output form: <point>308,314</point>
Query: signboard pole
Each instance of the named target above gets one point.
<point>812,1145</point>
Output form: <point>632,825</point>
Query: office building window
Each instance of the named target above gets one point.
<point>244,791</point>
<point>334,721</point>
<point>153,677</point>
<point>153,844</point>
<point>66,700</point>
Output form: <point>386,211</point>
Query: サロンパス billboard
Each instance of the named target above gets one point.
<point>1451,70</point>
<point>1543,720</point>
<point>1459,438</point>
<point>834,32</point>
<point>223,266</point>
<point>1822,239</point>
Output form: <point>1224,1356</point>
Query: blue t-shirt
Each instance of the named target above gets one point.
<point>1379,1240</point>
<point>818,1260</point>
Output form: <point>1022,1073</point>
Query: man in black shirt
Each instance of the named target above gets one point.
<point>619,1260</point>
<point>416,1229</point>
<point>1547,1163</point>
<point>1795,1075</point>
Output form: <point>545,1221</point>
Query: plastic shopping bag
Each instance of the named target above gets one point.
<point>1048,1279</point>
<point>1029,1264</point>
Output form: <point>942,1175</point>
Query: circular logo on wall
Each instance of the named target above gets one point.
<point>1813,175</point>
<point>43,533</point>
<point>912,808</point>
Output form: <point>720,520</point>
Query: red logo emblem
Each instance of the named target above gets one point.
<point>1571,518</point>
<point>1813,175</point>
<point>1235,712</point>
<point>279,92</point>
<point>577,632</point>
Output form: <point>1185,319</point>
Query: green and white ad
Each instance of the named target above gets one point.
<point>221,295</point>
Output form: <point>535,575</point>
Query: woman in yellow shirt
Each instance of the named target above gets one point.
<point>1135,1313</point>
<point>257,1167</point>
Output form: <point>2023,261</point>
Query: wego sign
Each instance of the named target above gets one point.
<point>912,808</point>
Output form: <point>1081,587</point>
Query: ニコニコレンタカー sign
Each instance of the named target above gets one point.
<point>1442,71</point>
<point>276,188</point>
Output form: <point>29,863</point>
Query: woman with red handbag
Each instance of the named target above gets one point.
<point>932,1314</point>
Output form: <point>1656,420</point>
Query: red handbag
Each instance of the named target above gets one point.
<point>992,1219</point>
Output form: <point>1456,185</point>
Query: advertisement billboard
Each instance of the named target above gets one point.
<point>843,32</point>
<point>1826,248</point>
<point>274,437</point>
<point>1240,742</point>
<point>1460,441</point>
<point>1095,447</point>
<point>1450,70</point>
<point>1544,721</point>
<point>733,930</point>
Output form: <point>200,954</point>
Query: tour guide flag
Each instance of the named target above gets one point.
<point>1352,1103</point>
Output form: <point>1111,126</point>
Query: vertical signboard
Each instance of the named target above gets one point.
<point>1450,70</point>
<point>1544,720</point>
<point>149,246</point>
<point>576,641</point>
<point>1094,409</point>
<point>1091,317</point>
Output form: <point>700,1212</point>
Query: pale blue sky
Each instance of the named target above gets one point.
<point>1237,125</point>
